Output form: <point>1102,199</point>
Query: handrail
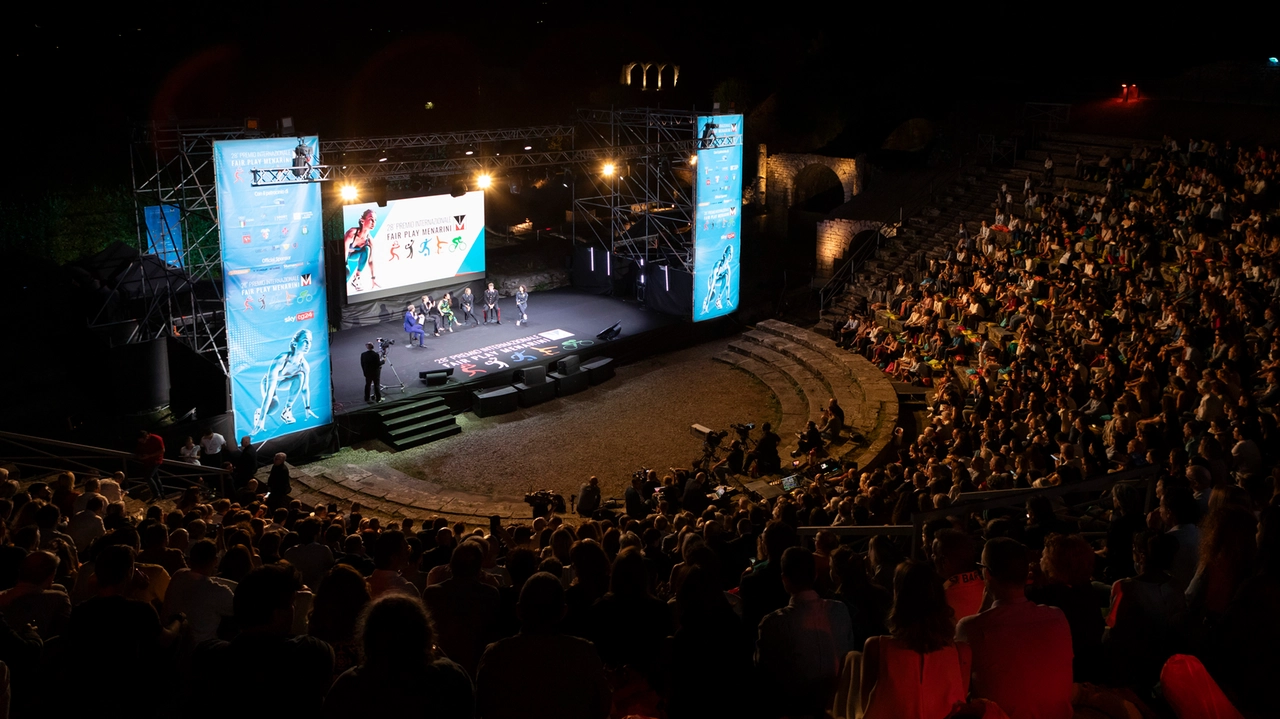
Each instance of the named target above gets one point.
<point>836,285</point>
<point>44,460</point>
<point>1011,497</point>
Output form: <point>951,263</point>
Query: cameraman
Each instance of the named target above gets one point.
<point>371,365</point>
<point>765,455</point>
<point>732,463</point>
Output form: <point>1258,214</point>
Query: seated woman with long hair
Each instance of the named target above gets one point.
<point>918,671</point>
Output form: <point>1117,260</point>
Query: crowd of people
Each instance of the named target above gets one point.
<point>1131,329</point>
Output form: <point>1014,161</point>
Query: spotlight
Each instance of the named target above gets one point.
<point>483,181</point>
<point>1274,60</point>
<point>530,147</point>
<point>693,159</point>
<point>608,169</point>
<point>471,152</point>
<point>349,193</point>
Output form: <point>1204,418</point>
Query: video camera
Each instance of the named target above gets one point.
<point>544,501</point>
<point>384,345</point>
<point>743,430</point>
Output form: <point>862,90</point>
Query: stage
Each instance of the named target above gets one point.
<point>562,322</point>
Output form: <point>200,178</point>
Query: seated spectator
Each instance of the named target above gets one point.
<point>710,634</point>
<point>86,525</point>
<point>628,625</point>
<point>762,590</point>
<point>464,609</point>
<point>340,598</point>
<point>311,558</point>
<point>868,603</point>
<point>193,592</point>
<point>953,558</point>
<point>802,646</point>
<point>1148,614</point>
<point>1180,511</point>
<point>390,555</point>
<point>1066,583</point>
<point>1021,651</point>
<point>399,674</point>
<point>276,674</point>
<point>918,670</point>
<point>515,670</point>
<point>36,600</point>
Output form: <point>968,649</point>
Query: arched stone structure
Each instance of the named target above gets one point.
<point>834,237</point>
<point>783,169</point>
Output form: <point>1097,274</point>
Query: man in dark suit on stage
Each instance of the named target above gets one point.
<point>371,365</point>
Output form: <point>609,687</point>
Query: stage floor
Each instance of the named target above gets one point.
<point>561,322</point>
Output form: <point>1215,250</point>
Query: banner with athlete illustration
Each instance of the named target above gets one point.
<point>412,244</point>
<point>273,280</point>
<point>717,223</point>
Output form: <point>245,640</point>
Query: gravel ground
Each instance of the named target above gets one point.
<point>640,418</point>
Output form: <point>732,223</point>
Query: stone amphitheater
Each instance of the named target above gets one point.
<point>774,372</point>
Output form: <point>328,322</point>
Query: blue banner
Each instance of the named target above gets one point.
<point>273,277</point>
<point>717,226</point>
<point>164,233</point>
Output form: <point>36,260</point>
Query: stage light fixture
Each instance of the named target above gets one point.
<point>471,152</point>
<point>530,147</point>
<point>608,169</point>
<point>693,159</point>
<point>483,182</point>
<point>1274,60</point>
<point>349,193</point>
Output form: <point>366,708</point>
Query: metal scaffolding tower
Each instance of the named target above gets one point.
<point>642,208</point>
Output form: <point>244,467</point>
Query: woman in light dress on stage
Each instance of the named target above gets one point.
<point>918,671</point>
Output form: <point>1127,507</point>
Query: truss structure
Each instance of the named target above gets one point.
<point>642,209</point>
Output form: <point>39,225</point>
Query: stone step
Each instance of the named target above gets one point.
<point>794,409</point>
<point>388,493</point>
<point>833,377</point>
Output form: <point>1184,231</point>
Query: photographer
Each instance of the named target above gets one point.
<point>765,456</point>
<point>371,365</point>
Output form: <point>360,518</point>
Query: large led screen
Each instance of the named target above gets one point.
<point>273,279</point>
<point>717,220</point>
<point>412,244</point>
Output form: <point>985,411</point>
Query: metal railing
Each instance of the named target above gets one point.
<point>39,456</point>
<point>993,499</point>
<point>838,284</point>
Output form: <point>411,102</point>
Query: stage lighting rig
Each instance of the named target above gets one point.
<point>483,181</point>
<point>349,193</point>
<point>609,169</point>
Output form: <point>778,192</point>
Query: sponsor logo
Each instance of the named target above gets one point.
<point>461,224</point>
<point>246,239</point>
<point>266,234</point>
<point>305,279</point>
<point>284,231</point>
<point>292,265</point>
<point>237,272</point>
<point>304,316</point>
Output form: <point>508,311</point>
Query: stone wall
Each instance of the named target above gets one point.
<point>834,237</point>
<point>780,178</point>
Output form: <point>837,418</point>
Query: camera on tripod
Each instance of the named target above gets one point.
<point>384,344</point>
<point>544,501</point>
<point>743,430</point>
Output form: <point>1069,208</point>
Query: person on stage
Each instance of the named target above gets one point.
<point>491,305</point>
<point>413,325</point>
<point>431,313</point>
<point>522,305</point>
<point>371,366</point>
<point>467,303</point>
<point>288,371</point>
<point>446,311</point>
<point>720,282</point>
<point>359,246</point>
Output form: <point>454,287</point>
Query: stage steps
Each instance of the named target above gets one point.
<point>417,422</point>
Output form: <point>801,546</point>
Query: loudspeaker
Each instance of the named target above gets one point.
<point>535,374</point>
<point>612,332</point>
<point>494,401</point>
<point>570,383</point>
<point>599,369</point>
<point>447,372</point>
<point>531,394</point>
<point>568,365</point>
<point>436,377</point>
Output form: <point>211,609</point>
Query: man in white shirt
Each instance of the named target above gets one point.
<point>801,646</point>
<point>1021,651</point>
<point>92,486</point>
<point>211,446</point>
<point>193,592</point>
<point>86,525</point>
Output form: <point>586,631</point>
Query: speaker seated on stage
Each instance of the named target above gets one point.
<point>413,326</point>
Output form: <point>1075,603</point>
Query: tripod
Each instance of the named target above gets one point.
<point>387,361</point>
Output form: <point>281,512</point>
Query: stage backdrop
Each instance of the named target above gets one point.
<point>273,277</point>
<point>717,220</point>
<point>413,244</point>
